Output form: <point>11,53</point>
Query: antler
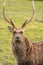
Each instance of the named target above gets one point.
<point>8,20</point>
<point>39,20</point>
<point>27,21</point>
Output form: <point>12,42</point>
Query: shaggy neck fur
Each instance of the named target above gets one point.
<point>22,49</point>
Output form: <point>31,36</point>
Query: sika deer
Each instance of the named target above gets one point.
<point>25,51</point>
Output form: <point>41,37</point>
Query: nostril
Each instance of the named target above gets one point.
<point>17,38</point>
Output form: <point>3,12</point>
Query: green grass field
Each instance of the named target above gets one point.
<point>19,11</point>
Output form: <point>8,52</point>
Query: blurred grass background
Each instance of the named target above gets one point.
<point>19,11</point>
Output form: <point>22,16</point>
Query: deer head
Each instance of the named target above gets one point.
<point>17,32</point>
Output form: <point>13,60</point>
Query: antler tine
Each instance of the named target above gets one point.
<point>8,20</point>
<point>27,21</point>
<point>32,12</point>
<point>39,20</point>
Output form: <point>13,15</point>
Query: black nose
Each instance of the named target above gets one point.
<point>17,38</point>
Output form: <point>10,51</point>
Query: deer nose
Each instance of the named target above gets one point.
<point>17,38</point>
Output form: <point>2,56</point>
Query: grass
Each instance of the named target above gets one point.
<point>19,11</point>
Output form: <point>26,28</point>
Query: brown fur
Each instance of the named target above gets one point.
<point>28,52</point>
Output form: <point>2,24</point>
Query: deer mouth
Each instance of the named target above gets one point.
<point>17,41</point>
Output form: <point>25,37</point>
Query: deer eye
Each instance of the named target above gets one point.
<point>14,32</point>
<point>21,32</point>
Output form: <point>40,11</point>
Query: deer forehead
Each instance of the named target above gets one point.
<point>18,30</point>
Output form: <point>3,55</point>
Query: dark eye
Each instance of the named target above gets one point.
<point>21,32</point>
<point>14,32</point>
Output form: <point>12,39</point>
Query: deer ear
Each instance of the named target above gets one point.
<point>11,29</point>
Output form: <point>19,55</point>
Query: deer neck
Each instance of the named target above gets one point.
<point>20,50</point>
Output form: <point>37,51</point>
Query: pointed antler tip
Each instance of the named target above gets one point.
<point>33,4</point>
<point>4,3</point>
